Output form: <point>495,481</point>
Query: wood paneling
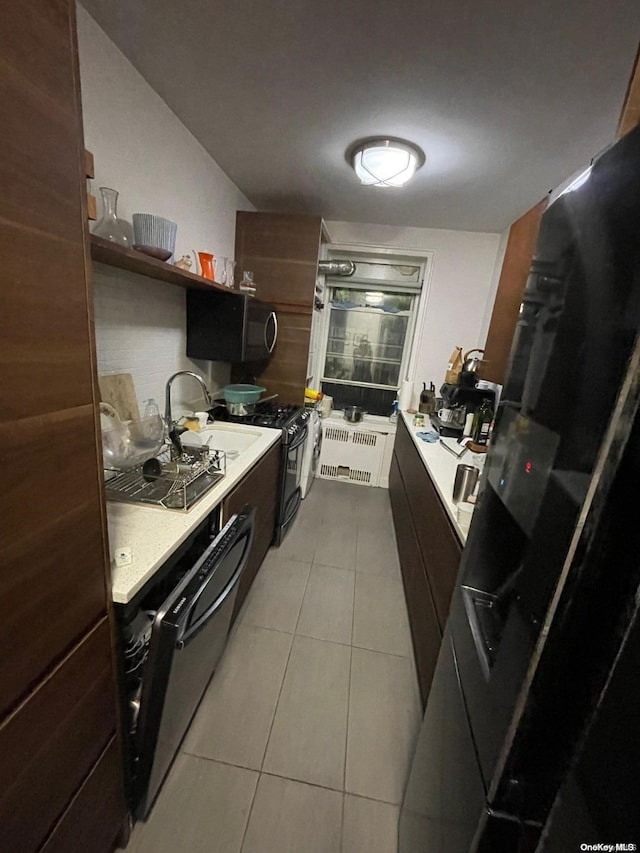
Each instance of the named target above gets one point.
<point>285,373</point>
<point>260,489</point>
<point>425,631</point>
<point>113,255</point>
<point>630,116</point>
<point>282,251</point>
<point>44,330</point>
<point>52,585</point>
<point>521,244</point>
<point>52,742</point>
<point>57,692</point>
<point>91,822</point>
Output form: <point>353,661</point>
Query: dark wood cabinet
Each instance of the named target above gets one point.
<point>429,552</point>
<point>282,251</point>
<point>260,489</point>
<point>518,255</point>
<point>57,690</point>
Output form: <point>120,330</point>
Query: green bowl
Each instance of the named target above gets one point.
<point>242,393</point>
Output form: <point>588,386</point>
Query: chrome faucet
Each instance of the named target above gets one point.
<point>167,399</point>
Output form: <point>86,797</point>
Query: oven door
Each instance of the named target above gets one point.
<point>188,637</point>
<point>291,493</point>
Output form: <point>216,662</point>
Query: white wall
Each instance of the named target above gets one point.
<point>142,150</point>
<point>461,286</point>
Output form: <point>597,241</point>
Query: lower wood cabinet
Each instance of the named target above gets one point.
<point>52,742</point>
<point>94,818</point>
<point>429,553</point>
<point>260,488</point>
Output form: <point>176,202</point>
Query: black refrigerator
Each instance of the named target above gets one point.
<point>531,737</point>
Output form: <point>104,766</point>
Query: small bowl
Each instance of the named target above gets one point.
<point>153,234</point>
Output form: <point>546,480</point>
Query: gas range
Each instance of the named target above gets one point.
<point>287,417</point>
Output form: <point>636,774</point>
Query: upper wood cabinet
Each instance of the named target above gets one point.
<point>521,244</point>
<point>282,251</point>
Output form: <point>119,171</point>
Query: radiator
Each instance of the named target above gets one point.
<point>353,454</point>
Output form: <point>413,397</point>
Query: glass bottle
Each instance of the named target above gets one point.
<point>110,227</point>
<point>482,423</point>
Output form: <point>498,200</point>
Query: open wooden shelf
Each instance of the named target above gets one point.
<point>113,255</point>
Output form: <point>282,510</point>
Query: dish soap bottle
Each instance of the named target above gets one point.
<point>393,417</point>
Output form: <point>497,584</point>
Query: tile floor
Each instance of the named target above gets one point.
<point>303,740</point>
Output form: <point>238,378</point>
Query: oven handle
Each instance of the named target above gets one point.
<point>226,592</point>
<point>298,440</point>
<point>272,316</point>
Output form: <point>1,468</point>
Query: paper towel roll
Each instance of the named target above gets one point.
<point>405,396</point>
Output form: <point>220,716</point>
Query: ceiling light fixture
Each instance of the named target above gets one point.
<point>389,162</point>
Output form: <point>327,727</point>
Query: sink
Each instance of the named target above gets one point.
<point>231,439</point>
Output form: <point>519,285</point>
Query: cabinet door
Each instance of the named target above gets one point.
<point>513,278</point>
<point>425,631</point>
<point>260,489</point>
<point>282,251</point>
<point>52,567</point>
<point>440,547</point>
<point>92,821</point>
<point>51,744</point>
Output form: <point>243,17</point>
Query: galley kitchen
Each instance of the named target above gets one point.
<point>320,332</point>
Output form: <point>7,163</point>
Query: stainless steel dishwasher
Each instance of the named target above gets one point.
<point>188,636</point>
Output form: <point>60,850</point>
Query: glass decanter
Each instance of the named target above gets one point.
<point>110,227</point>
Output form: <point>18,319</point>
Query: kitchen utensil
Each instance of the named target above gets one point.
<point>110,227</point>
<point>207,264</point>
<point>427,399</point>
<point>470,365</point>
<point>242,409</point>
<point>231,271</point>
<point>354,414</point>
<point>154,235</point>
<point>469,374</point>
<point>464,482</point>
<point>125,445</point>
<point>118,390</point>
<point>222,270</point>
<point>242,393</point>
<point>453,416</point>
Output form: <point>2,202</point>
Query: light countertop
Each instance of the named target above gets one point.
<point>153,533</point>
<point>441,466</point>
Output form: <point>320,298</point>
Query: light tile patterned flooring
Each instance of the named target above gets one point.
<point>303,740</point>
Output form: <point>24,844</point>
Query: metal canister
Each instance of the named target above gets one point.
<point>464,482</point>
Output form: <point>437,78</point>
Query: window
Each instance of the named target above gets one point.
<point>369,330</point>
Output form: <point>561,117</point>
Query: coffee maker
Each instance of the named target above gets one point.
<point>463,400</point>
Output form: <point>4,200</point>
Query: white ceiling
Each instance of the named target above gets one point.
<point>507,99</point>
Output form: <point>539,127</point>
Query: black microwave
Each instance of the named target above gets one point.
<point>230,327</point>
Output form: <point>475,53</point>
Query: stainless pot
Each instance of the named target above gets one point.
<point>354,414</point>
<point>242,409</point>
